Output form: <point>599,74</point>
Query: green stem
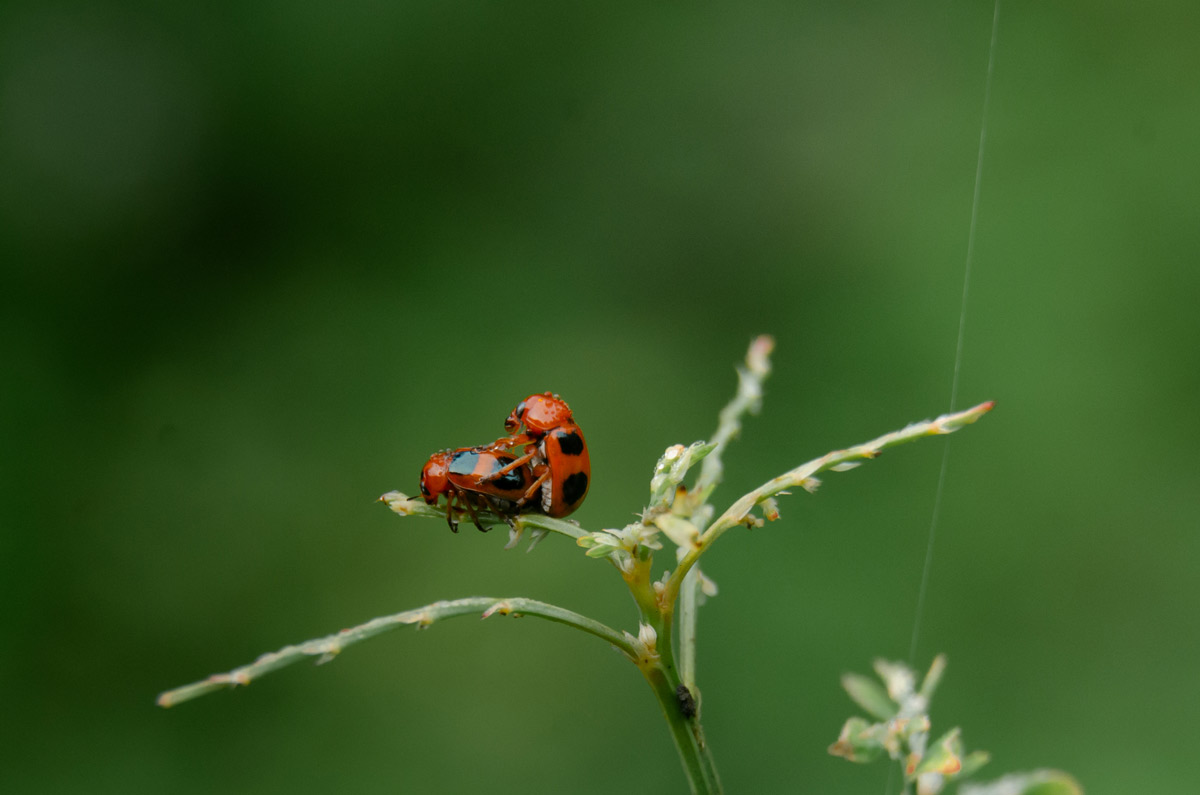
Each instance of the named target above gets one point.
<point>729,421</point>
<point>803,476</point>
<point>661,674</point>
<point>688,604</point>
<point>404,505</point>
<point>637,578</point>
<point>659,670</point>
<point>693,751</point>
<point>329,646</point>
<point>560,526</point>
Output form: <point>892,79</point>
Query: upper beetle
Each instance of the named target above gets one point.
<point>555,451</point>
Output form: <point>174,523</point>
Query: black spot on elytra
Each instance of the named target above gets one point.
<point>574,487</point>
<point>570,442</point>
<point>467,462</point>
<point>511,480</point>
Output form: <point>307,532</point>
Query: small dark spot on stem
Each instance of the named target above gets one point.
<point>687,703</point>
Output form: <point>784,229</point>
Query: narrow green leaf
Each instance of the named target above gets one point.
<point>897,677</point>
<point>973,761</point>
<point>869,695</point>
<point>933,677</point>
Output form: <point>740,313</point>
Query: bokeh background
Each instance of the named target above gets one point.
<point>259,260</point>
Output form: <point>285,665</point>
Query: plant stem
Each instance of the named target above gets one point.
<point>729,424</point>
<point>659,669</point>
<point>637,578</point>
<point>688,604</point>
<point>693,751</point>
<point>803,476</point>
<point>326,648</point>
<point>748,399</point>
<point>404,505</point>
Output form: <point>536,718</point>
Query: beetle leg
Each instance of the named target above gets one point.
<point>450,496</point>
<point>536,485</point>
<point>510,466</point>
<point>495,508</point>
<point>509,442</point>
<point>474,516</point>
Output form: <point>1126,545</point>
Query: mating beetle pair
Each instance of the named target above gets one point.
<point>550,476</point>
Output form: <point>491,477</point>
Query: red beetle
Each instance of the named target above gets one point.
<point>476,478</point>
<point>555,452</point>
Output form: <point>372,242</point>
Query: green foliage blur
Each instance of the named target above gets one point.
<point>260,260</point>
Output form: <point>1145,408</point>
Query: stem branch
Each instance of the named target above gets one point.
<point>326,648</point>
<point>803,476</point>
<point>404,505</point>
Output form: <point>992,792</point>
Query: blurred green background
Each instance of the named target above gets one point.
<point>259,260</point>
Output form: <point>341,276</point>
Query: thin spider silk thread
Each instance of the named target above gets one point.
<point>958,351</point>
<point>958,355</point>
